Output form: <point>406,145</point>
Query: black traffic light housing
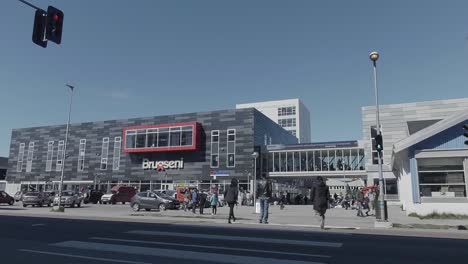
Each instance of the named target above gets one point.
<point>378,143</point>
<point>465,127</point>
<point>40,20</point>
<point>54,24</point>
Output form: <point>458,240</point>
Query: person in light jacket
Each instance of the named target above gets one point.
<point>320,197</point>
<point>230,196</point>
<point>214,203</point>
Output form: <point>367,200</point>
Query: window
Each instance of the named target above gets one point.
<point>160,137</point>
<point>117,147</point>
<point>441,177</point>
<point>104,153</point>
<point>50,155</point>
<point>175,136</point>
<point>60,155</point>
<point>282,111</point>
<point>19,166</point>
<point>187,136</point>
<point>287,122</point>
<point>292,131</point>
<point>81,154</point>
<point>231,147</point>
<point>214,163</point>
<point>29,158</point>
<point>375,154</point>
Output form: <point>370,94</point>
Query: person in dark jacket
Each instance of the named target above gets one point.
<point>263,193</point>
<point>359,202</point>
<point>319,197</point>
<point>230,196</point>
<point>194,200</point>
<point>202,201</point>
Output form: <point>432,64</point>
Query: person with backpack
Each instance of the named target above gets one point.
<point>230,196</point>
<point>320,197</point>
<point>263,193</point>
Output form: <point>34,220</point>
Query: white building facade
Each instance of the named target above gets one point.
<point>291,114</point>
<point>425,160</point>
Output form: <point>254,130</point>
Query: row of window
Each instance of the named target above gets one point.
<point>231,148</point>
<point>282,111</point>
<point>287,122</point>
<point>317,160</point>
<point>159,137</point>
<point>61,153</point>
<point>292,131</point>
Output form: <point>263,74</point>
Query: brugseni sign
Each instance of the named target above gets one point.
<point>164,164</point>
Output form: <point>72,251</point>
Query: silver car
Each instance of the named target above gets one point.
<point>35,198</point>
<point>69,198</point>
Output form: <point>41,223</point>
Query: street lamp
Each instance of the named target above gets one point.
<point>65,146</point>
<point>374,56</point>
<point>254,193</point>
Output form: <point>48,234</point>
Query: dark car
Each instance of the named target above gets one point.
<point>93,196</point>
<point>5,198</point>
<point>119,194</point>
<point>152,200</point>
<point>35,198</point>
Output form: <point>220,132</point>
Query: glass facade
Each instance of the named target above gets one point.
<point>349,159</point>
<point>159,137</point>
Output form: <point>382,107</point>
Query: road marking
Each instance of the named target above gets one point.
<point>239,238</point>
<point>176,254</point>
<point>210,247</point>
<point>297,225</point>
<point>82,257</point>
<point>38,224</point>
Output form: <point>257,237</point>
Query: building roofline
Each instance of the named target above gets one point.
<point>454,100</point>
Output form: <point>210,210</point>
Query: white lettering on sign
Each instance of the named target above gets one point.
<point>166,164</point>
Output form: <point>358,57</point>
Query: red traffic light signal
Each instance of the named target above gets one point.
<point>54,24</point>
<point>38,36</point>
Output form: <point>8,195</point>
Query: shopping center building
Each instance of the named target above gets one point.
<point>194,149</point>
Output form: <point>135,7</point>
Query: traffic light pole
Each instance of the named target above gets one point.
<point>29,4</point>
<point>381,182</point>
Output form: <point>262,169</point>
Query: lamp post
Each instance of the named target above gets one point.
<point>374,56</point>
<point>65,145</point>
<point>254,193</point>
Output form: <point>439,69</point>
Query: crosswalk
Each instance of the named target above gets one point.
<point>154,246</point>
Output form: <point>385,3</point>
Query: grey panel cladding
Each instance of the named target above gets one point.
<point>196,163</point>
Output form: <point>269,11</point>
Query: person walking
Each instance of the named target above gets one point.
<point>359,201</point>
<point>214,203</point>
<point>371,196</point>
<point>194,200</point>
<point>263,193</point>
<point>230,196</point>
<point>187,199</point>
<point>320,196</point>
<point>202,201</point>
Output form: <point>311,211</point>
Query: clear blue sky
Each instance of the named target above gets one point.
<point>143,58</point>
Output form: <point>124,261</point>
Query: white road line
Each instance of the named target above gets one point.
<point>239,238</point>
<point>82,257</point>
<point>211,247</point>
<point>38,225</point>
<point>176,254</point>
<point>297,225</point>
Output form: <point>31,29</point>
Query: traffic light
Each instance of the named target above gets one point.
<point>40,20</point>
<point>465,127</point>
<point>54,24</point>
<point>378,143</point>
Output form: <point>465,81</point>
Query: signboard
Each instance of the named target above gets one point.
<point>215,174</point>
<point>162,165</point>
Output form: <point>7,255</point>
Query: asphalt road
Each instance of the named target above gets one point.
<point>45,240</point>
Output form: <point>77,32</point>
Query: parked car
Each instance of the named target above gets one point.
<point>6,198</point>
<point>152,200</point>
<point>169,193</point>
<point>119,194</point>
<point>69,198</point>
<point>93,196</point>
<point>35,198</point>
<point>19,196</point>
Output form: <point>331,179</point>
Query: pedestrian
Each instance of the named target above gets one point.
<point>320,197</point>
<point>305,199</point>
<point>371,196</point>
<point>194,200</point>
<point>359,201</point>
<point>282,200</point>
<point>202,201</point>
<point>230,196</point>
<point>187,199</point>
<point>263,193</point>
<point>214,203</point>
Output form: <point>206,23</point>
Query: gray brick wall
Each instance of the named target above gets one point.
<point>196,163</point>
